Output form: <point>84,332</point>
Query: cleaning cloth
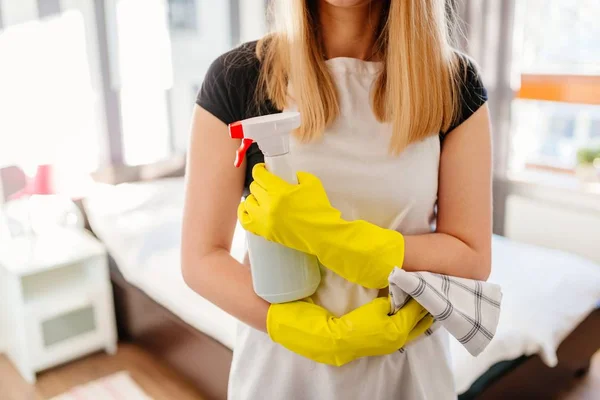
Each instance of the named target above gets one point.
<point>468,309</point>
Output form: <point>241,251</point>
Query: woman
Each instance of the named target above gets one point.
<point>395,152</point>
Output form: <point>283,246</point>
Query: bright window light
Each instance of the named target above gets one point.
<point>48,109</point>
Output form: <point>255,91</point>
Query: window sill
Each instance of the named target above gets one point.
<point>556,187</point>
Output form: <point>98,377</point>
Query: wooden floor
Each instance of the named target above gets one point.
<point>158,382</point>
<point>161,383</point>
<point>588,387</point>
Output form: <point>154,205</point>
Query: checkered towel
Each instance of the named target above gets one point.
<point>468,309</point>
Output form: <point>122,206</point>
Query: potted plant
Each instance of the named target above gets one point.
<point>588,164</point>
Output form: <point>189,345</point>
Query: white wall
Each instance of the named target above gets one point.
<point>566,221</point>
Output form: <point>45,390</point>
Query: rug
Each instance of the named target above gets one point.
<point>117,386</point>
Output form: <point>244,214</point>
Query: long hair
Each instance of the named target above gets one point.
<point>417,90</point>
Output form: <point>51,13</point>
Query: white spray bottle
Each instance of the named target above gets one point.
<point>279,274</point>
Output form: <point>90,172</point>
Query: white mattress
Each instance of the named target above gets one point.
<point>547,293</point>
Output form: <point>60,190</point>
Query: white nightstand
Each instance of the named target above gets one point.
<point>56,299</point>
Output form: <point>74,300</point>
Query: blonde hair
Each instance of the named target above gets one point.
<point>417,90</point>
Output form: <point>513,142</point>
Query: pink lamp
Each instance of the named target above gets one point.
<point>42,183</point>
<point>45,209</point>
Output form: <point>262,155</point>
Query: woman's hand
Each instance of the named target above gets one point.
<point>311,331</point>
<point>275,207</point>
<point>301,217</point>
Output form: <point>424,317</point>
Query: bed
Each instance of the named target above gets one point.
<point>548,331</point>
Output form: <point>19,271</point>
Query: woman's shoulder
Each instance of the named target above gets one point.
<point>472,89</point>
<point>241,60</point>
<point>230,83</point>
<point>472,93</point>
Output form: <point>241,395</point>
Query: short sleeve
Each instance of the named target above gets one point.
<point>229,84</point>
<point>473,94</point>
<point>229,93</point>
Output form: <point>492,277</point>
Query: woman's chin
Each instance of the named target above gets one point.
<point>349,3</point>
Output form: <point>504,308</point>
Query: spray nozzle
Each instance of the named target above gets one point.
<point>236,131</point>
<point>271,132</point>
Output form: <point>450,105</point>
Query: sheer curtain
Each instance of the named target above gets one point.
<point>49,106</point>
<point>487,27</point>
<point>488,32</point>
<point>158,52</point>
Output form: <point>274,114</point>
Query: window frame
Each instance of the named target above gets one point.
<point>564,88</point>
<point>561,88</point>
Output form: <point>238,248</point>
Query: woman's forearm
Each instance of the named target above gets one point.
<point>445,254</point>
<point>222,280</point>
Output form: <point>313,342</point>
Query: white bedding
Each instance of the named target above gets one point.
<point>140,225</point>
<point>547,293</point>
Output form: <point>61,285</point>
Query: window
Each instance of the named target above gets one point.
<point>60,92</point>
<point>557,110</point>
<point>183,15</point>
<point>144,76</point>
<point>164,49</point>
<point>50,101</point>
<point>595,129</point>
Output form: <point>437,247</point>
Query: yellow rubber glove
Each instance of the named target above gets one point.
<point>301,217</point>
<point>311,331</point>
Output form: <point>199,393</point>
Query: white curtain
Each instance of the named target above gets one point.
<point>488,27</point>
<point>48,103</point>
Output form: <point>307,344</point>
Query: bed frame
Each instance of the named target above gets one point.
<point>206,362</point>
<point>194,355</point>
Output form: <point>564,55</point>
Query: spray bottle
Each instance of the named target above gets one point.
<point>279,274</point>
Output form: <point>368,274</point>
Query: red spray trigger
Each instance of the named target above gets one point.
<point>241,152</point>
<point>236,131</point>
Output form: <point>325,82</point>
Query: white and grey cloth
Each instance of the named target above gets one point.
<point>467,308</point>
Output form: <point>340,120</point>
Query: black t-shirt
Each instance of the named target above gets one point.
<point>228,93</point>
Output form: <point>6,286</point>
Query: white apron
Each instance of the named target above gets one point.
<point>363,181</point>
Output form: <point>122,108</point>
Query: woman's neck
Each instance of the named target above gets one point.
<point>349,31</point>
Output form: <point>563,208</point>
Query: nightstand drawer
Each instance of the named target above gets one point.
<point>75,329</point>
<point>41,286</point>
<point>65,301</point>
